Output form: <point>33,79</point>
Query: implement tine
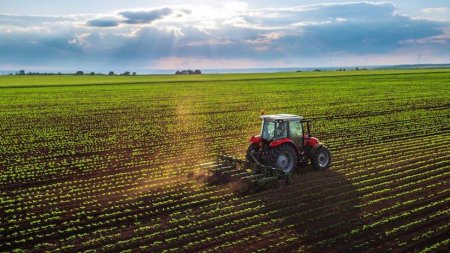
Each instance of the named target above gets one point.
<point>253,176</point>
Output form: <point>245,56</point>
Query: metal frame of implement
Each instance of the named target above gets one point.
<point>233,168</point>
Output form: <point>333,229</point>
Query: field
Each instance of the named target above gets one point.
<point>100,163</point>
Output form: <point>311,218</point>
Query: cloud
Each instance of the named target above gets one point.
<point>144,17</point>
<point>440,10</point>
<point>28,48</point>
<point>136,17</point>
<point>305,35</point>
<point>441,39</point>
<point>103,22</point>
<point>24,21</point>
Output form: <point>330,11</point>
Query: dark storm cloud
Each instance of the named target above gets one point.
<point>144,17</point>
<point>133,17</point>
<point>103,22</point>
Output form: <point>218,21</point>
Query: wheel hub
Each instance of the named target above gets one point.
<point>284,162</point>
<point>323,159</point>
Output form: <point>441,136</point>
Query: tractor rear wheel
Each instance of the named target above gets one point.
<point>284,157</point>
<point>253,148</point>
<point>321,158</point>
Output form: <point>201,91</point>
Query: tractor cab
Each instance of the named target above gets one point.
<point>279,126</point>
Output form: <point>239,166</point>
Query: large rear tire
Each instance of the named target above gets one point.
<point>321,158</point>
<point>284,157</point>
<point>252,148</point>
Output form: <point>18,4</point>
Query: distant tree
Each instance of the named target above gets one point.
<point>134,73</point>
<point>197,72</point>
<point>317,70</point>
<point>92,73</point>
<point>111,73</point>
<point>356,68</point>
<point>21,72</point>
<point>79,72</point>
<point>177,73</point>
<point>126,73</point>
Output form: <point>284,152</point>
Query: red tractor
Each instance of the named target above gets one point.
<point>284,144</point>
<point>274,154</point>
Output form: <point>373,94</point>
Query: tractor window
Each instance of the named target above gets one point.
<point>280,130</point>
<point>268,130</point>
<point>295,128</point>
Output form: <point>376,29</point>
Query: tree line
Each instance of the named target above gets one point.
<point>79,72</point>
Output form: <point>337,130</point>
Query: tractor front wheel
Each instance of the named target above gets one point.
<point>284,157</point>
<point>321,158</point>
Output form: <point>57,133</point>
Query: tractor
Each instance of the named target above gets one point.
<point>273,155</point>
<point>285,145</point>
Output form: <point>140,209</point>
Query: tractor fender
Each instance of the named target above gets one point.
<point>277,143</point>
<point>255,139</point>
<point>311,142</point>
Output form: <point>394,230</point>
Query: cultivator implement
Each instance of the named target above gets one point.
<point>247,176</point>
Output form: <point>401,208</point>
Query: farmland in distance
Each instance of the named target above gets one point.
<point>100,163</point>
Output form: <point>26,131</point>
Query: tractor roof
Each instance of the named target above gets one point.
<point>275,117</point>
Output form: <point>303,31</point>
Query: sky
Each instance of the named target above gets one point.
<point>140,35</point>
